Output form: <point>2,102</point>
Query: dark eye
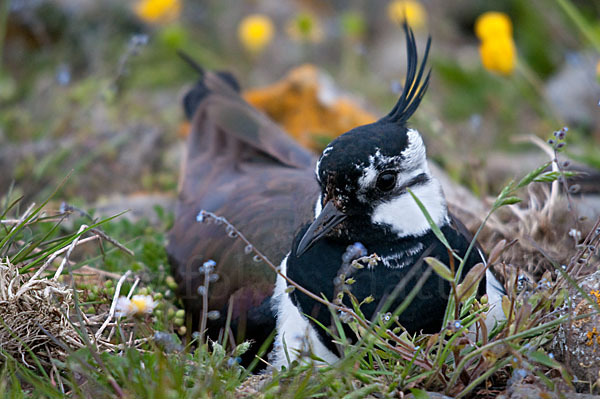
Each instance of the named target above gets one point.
<point>386,180</point>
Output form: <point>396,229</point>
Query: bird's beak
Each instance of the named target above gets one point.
<point>329,217</point>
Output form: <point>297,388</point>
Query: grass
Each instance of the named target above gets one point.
<point>88,262</point>
<point>143,356</point>
<point>385,360</point>
<point>50,359</point>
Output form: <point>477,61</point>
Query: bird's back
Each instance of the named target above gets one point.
<point>242,166</point>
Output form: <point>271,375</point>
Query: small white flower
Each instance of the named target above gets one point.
<point>138,304</point>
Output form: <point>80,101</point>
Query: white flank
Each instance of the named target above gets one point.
<point>494,291</point>
<point>404,216</point>
<point>293,328</point>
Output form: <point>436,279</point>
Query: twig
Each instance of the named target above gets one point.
<point>113,305</point>
<point>96,271</point>
<point>204,316</point>
<point>20,220</point>
<point>133,287</point>
<point>129,295</point>
<point>55,255</point>
<point>69,251</point>
<point>113,241</point>
<point>48,262</point>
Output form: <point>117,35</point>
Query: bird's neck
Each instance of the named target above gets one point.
<point>404,216</point>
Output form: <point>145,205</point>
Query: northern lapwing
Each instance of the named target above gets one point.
<point>365,176</point>
<point>242,166</point>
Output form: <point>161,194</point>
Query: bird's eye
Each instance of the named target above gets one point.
<point>386,180</point>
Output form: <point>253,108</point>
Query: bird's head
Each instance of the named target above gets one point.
<point>365,173</point>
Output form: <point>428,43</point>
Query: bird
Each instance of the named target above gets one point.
<point>303,212</point>
<point>366,177</point>
<point>240,165</point>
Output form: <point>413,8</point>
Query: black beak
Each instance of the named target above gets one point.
<point>329,217</point>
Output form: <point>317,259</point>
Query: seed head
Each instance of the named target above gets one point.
<point>208,267</point>
<point>213,315</point>
<point>574,188</point>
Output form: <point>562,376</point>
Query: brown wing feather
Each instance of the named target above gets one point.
<point>242,166</point>
<point>228,111</point>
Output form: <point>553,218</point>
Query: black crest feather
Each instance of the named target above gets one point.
<point>413,90</point>
<point>200,90</point>
<point>191,62</point>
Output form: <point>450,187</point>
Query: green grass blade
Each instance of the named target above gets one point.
<point>20,226</point>
<point>434,227</point>
<point>581,23</point>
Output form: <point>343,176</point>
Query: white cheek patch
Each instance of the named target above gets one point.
<point>404,216</point>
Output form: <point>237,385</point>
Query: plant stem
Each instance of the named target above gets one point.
<point>534,331</point>
<point>580,22</point>
<point>482,378</point>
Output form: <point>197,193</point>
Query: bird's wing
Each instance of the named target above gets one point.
<point>220,105</point>
<point>242,166</point>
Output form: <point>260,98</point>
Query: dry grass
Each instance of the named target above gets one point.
<point>34,312</point>
<point>40,314</point>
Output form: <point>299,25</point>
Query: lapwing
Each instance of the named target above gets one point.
<point>240,165</point>
<point>365,177</point>
<point>304,212</point>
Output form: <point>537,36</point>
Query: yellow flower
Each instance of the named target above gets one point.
<point>255,32</point>
<point>138,304</point>
<point>596,293</point>
<point>497,50</point>
<point>493,24</point>
<point>409,10</point>
<point>158,11</point>
<point>305,27</point>
<point>498,54</point>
